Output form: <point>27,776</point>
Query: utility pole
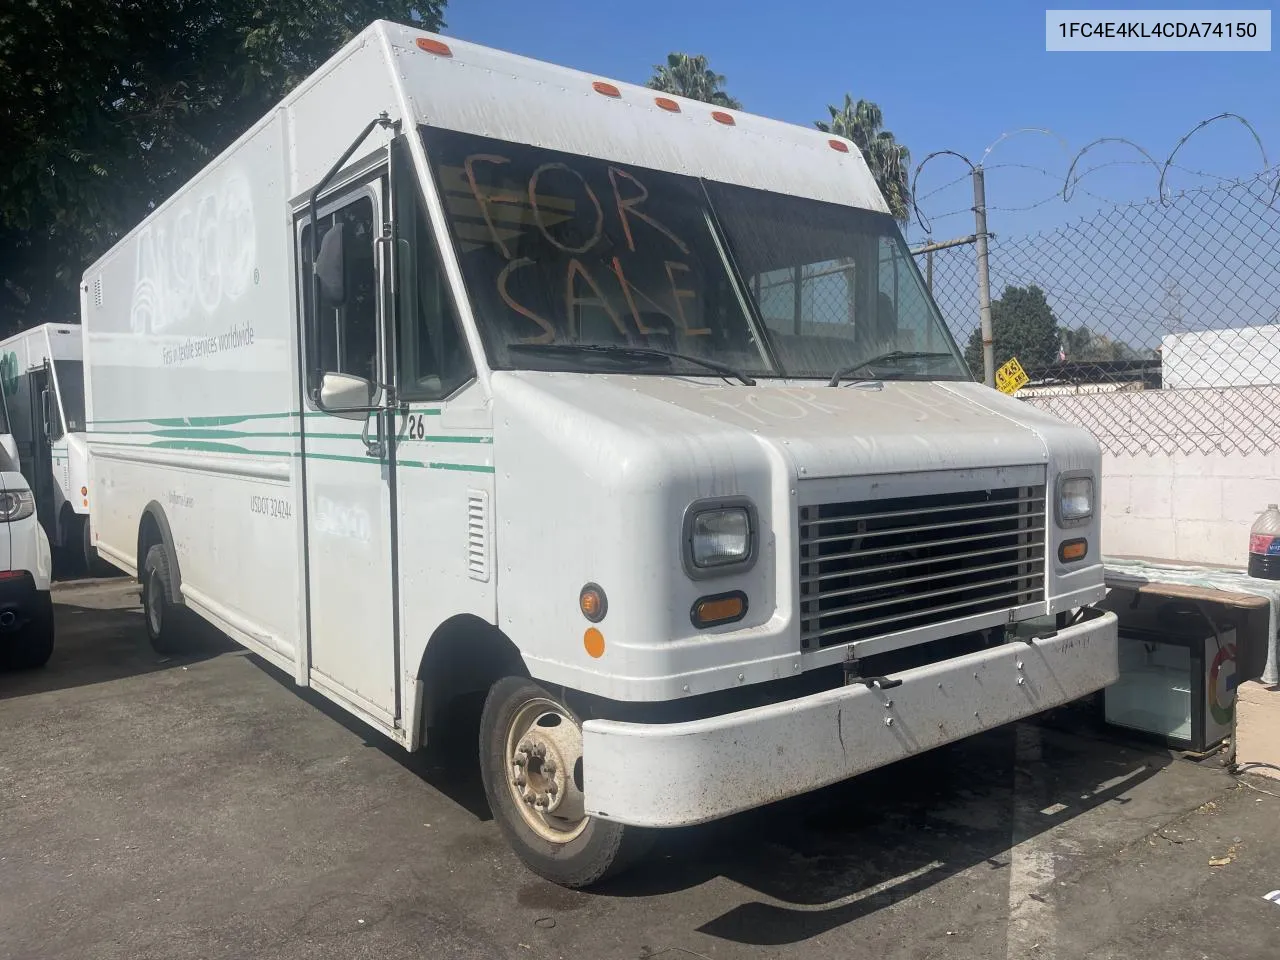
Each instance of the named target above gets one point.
<point>984,279</point>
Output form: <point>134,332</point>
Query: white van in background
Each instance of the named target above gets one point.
<point>26,607</point>
<point>43,379</point>
<point>464,375</point>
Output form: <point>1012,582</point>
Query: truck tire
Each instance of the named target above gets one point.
<point>163,618</point>
<point>531,764</point>
<point>32,648</point>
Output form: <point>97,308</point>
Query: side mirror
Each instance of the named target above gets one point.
<point>345,395</point>
<point>47,413</point>
<point>331,267</point>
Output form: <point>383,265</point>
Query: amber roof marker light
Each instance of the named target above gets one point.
<point>666,103</point>
<point>433,46</point>
<point>721,117</point>
<point>607,89</point>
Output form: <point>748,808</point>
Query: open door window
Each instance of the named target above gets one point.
<point>342,335</point>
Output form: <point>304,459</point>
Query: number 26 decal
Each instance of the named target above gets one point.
<point>414,427</point>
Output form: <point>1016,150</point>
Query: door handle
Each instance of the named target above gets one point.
<point>375,448</point>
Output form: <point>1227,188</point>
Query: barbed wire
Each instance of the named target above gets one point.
<point>1266,164</point>
<point>1070,182</point>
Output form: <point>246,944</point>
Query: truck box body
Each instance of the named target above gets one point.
<point>523,238</point>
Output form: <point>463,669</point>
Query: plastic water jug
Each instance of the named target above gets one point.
<point>1264,545</point>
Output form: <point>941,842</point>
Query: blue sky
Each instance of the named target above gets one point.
<point>947,75</point>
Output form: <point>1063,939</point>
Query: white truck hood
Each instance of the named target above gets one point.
<point>861,429</point>
<point>851,430</point>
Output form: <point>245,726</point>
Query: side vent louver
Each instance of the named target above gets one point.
<point>478,535</point>
<point>97,292</point>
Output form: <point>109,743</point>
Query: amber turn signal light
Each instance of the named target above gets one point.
<point>721,608</point>
<point>593,603</point>
<point>1072,550</point>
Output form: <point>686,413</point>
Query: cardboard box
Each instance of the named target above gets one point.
<point>1258,728</point>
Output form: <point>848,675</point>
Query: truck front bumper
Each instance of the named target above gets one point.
<point>675,774</point>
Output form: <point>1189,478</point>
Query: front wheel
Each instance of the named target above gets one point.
<point>531,763</point>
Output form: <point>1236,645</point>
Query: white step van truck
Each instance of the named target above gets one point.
<point>465,375</point>
<point>44,385</point>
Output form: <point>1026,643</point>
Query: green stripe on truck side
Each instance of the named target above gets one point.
<point>211,446</point>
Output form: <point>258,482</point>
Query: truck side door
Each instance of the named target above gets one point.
<point>349,524</point>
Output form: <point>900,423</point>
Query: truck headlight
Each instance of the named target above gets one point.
<point>1075,499</point>
<point>16,506</point>
<point>719,536</point>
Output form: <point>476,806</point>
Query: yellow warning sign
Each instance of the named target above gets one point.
<point>1010,377</point>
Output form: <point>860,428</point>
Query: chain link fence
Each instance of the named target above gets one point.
<point>1171,309</point>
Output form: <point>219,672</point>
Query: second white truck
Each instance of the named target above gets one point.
<point>43,377</point>
<point>464,376</point>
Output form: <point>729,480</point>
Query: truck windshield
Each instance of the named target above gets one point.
<point>70,376</point>
<point>570,251</point>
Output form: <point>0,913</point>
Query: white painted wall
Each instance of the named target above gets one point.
<point>1192,507</point>
<point>1184,472</point>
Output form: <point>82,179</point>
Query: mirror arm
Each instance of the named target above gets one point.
<point>381,120</point>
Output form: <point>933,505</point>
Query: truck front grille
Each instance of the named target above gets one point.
<point>872,567</point>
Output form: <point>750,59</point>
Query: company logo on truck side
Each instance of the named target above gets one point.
<point>342,520</point>
<point>197,258</point>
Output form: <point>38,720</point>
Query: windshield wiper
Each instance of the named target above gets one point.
<point>644,353</point>
<point>881,358</point>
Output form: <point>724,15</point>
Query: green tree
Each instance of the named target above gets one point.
<point>863,123</point>
<point>111,105</point>
<point>1022,326</point>
<point>687,75</point>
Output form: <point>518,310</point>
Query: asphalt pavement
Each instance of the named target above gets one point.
<point>205,807</point>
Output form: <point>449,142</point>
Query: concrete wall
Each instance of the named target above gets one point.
<point>1184,472</point>
<point>1192,507</point>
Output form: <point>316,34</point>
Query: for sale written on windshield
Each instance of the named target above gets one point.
<point>1128,31</point>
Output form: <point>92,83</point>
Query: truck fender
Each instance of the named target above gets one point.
<point>465,656</point>
<point>153,528</point>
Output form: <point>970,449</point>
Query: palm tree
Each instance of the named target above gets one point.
<point>863,123</point>
<point>687,75</point>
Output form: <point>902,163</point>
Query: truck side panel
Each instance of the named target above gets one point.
<point>190,393</point>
